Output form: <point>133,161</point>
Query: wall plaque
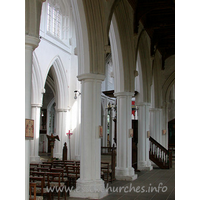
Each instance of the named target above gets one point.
<point>29,129</point>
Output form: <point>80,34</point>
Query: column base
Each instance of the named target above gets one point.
<point>126,174</point>
<point>149,168</point>
<point>126,178</point>
<point>34,159</point>
<point>58,155</point>
<point>143,165</point>
<point>89,189</point>
<point>77,157</point>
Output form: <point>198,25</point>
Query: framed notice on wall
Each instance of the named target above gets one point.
<point>29,129</point>
<point>130,132</point>
<point>100,132</point>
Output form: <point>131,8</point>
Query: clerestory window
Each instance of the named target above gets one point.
<point>54,21</point>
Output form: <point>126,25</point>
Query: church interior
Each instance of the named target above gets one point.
<point>99,97</point>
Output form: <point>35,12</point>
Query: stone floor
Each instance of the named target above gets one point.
<point>158,184</point>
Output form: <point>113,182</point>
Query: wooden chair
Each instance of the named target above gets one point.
<point>73,173</point>
<point>77,162</point>
<point>43,169</point>
<point>58,165</point>
<point>106,171</point>
<point>47,162</point>
<point>33,167</point>
<point>61,171</point>
<point>43,175</point>
<point>70,162</point>
<point>54,182</point>
<point>46,165</point>
<point>63,179</point>
<point>110,153</point>
<point>57,161</point>
<point>32,185</point>
<point>34,164</point>
<point>37,187</point>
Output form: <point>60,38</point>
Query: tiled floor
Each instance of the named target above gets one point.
<point>158,184</point>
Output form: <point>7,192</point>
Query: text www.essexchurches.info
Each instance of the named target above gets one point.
<point>126,189</point>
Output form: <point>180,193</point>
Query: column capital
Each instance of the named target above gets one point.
<point>61,110</point>
<point>31,41</point>
<point>37,105</point>
<point>88,76</point>
<point>118,94</point>
<point>142,104</point>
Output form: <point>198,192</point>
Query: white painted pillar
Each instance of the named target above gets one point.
<point>78,129</point>
<point>30,44</point>
<point>35,143</point>
<point>106,125</point>
<point>165,124</point>
<point>113,126</point>
<point>32,24</point>
<point>156,124</point>
<point>124,169</point>
<point>104,128</point>
<point>143,142</point>
<point>90,184</point>
<point>61,120</point>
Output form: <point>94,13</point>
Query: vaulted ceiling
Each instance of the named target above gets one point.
<point>158,19</point>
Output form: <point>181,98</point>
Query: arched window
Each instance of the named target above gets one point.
<point>58,20</point>
<point>54,21</point>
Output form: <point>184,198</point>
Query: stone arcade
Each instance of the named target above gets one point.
<point>92,46</point>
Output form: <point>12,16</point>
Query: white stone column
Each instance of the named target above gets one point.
<point>61,120</point>
<point>124,169</point>
<point>110,129</point>
<point>104,128</point>
<point>143,142</point>
<point>90,184</point>
<point>113,126</point>
<point>32,25</point>
<point>78,128</point>
<point>165,124</point>
<point>35,143</point>
<point>30,44</point>
<point>156,124</point>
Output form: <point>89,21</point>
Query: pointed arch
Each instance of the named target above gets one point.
<point>157,82</point>
<point>146,70</point>
<point>81,37</point>
<point>117,56</point>
<point>139,83</point>
<point>167,86</point>
<point>60,83</point>
<point>122,48</point>
<point>37,83</point>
